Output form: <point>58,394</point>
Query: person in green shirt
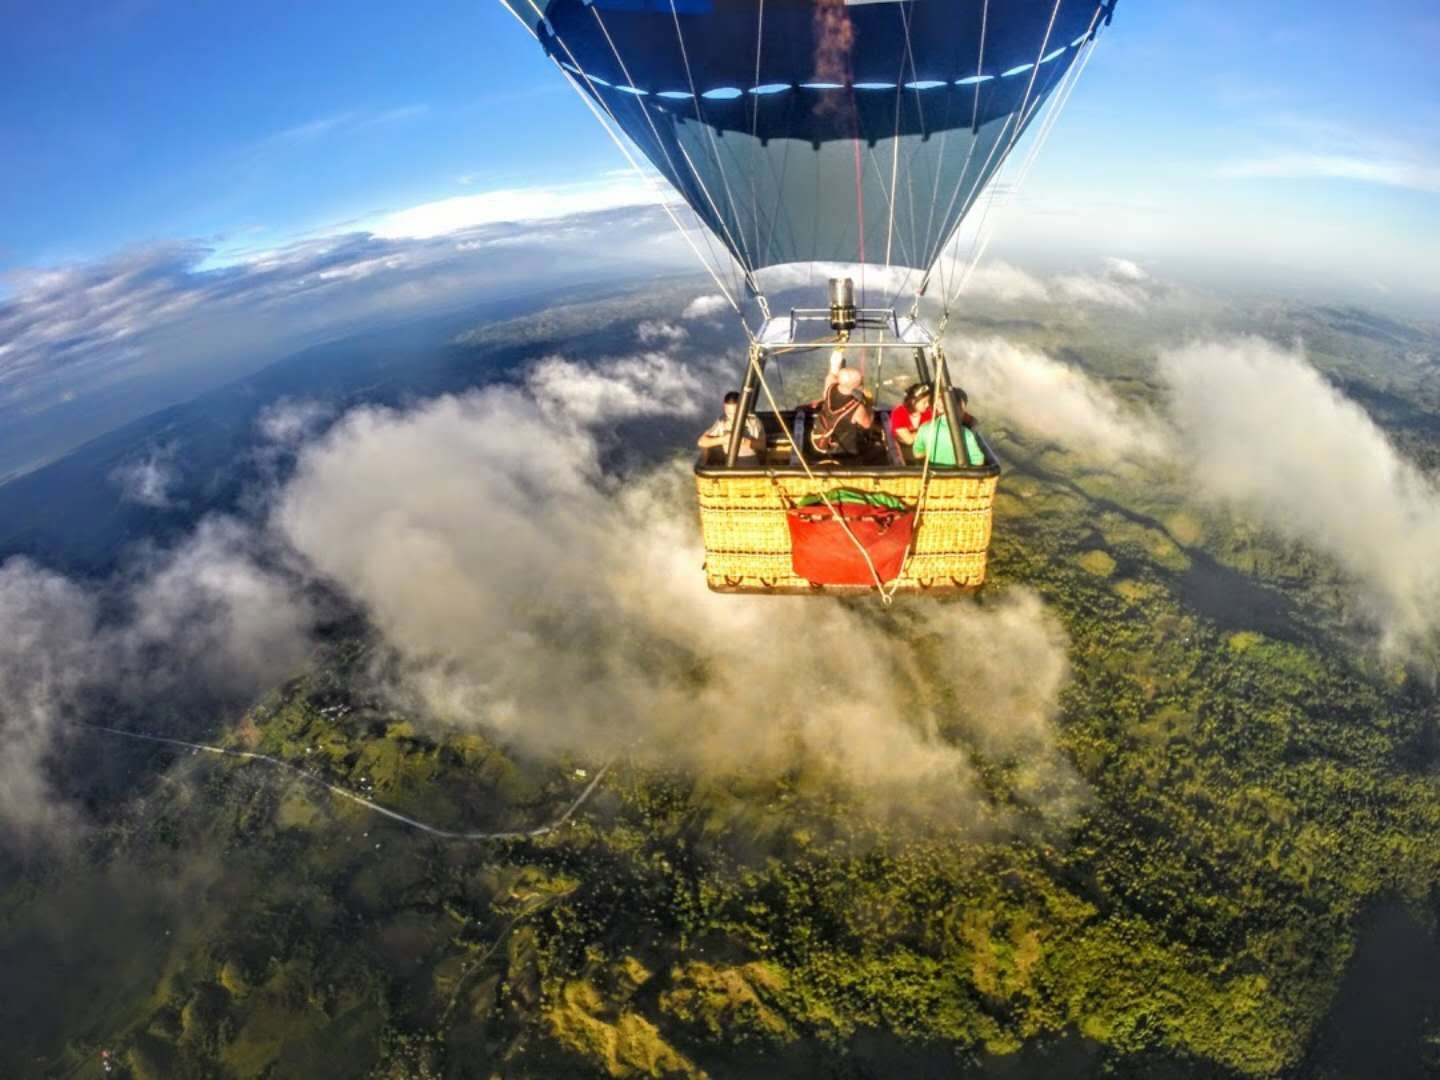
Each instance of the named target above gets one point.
<point>933,440</point>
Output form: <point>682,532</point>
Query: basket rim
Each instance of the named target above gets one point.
<point>852,472</point>
<point>906,588</point>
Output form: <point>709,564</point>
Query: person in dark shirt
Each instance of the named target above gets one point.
<point>843,417</point>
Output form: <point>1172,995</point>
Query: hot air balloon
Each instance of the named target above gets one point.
<point>825,131</point>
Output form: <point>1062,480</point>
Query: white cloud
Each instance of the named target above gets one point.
<point>514,204</point>
<point>222,609</point>
<point>1292,451</point>
<point>1256,427</point>
<point>147,481</point>
<point>653,331</point>
<point>346,122</point>
<point>703,307</point>
<point>197,628</point>
<point>289,421</point>
<point>49,625</point>
<point>281,428</point>
<point>1124,270</point>
<point>75,333</point>
<point>1053,401</point>
<point>876,280</point>
<point>398,113</point>
<point>530,594</point>
<point>1088,289</point>
<point>614,390</point>
<point>363,268</point>
<point>1120,283</point>
<point>1001,281</point>
<point>87,320</point>
<point>1414,175</point>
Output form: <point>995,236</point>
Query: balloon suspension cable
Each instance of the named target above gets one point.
<point>907,59</point>
<point>971,193</point>
<point>754,134</point>
<point>735,250</point>
<point>1047,125</point>
<point>860,212</point>
<point>744,257</point>
<point>590,100</point>
<point>895,143</point>
<point>964,165</point>
<point>982,241</point>
<point>664,202</point>
<point>1057,103</point>
<point>1021,121</point>
<point>730,244</point>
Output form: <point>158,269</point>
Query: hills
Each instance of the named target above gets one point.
<point>1236,872</point>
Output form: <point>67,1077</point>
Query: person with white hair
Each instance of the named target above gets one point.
<point>843,416</point>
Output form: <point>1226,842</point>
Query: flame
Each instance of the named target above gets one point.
<point>834,39</point>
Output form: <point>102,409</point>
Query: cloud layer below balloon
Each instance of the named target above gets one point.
<point>534,595</point>
<point>1254,426</point>
<point>529,594</point>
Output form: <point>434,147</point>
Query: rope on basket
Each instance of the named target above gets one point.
<point>887,597</point>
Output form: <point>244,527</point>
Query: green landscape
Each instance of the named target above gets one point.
<point>1244,881</point>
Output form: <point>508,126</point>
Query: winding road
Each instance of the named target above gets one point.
<point>346,793</point>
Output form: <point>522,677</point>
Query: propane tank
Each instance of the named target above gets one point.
<point>842,304</point>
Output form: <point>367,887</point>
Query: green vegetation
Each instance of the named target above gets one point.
<point>1258,784</point>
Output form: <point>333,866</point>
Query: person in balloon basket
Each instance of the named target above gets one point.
<point>716,438</point>
<point>932,438</point>
<point>844,421</point>
<point>906,418</point>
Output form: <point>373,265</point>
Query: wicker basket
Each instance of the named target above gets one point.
<point>747,541</point>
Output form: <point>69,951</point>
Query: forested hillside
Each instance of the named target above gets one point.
<point>1250,811</point>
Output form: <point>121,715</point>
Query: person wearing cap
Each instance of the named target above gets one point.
<point>932,440</point>
<point>716,439</point>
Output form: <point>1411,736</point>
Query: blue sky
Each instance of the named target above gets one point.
<point>1300,133</point>
<point>189,188</point>
<point>249,123</point>
<point>1303,129</point>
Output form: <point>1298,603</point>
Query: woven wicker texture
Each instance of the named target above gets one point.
<point>747,542</point>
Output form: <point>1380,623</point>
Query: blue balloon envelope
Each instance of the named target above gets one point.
<point>800,130</point>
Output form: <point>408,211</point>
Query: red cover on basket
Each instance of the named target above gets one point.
<point>821,553</point>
